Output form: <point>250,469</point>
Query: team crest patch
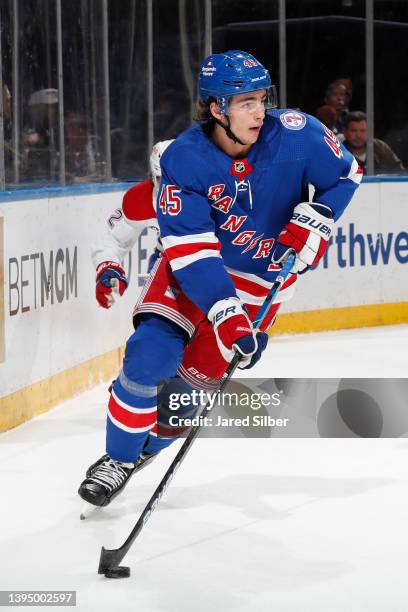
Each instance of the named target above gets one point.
<point>293,120</point>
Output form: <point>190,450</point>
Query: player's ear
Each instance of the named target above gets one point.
<point>215,110</point>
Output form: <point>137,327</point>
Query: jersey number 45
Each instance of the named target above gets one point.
<point>169,201</point>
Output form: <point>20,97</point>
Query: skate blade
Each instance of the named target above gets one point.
<point>88,510</point>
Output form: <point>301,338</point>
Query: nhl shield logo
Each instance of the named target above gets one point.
<point>293,120</point>
<point>240,168</point>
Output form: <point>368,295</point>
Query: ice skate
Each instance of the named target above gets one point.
<point>106,478</point>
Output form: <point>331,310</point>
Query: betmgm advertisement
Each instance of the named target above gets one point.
<point>50,322</point>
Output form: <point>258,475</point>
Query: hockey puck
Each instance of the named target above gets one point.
<point>121,571</point>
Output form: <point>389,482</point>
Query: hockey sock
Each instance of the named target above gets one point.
<point>153,353</point>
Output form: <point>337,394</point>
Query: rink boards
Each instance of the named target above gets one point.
<point>55,341</point>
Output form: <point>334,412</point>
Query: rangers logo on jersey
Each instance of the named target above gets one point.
<point>293,120</point>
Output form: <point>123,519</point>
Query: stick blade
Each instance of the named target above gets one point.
<point>109,559</point>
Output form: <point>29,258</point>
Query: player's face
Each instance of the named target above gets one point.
<point>356,133</point>
<point>246,113</point>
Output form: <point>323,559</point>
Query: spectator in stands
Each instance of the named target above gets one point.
<point>80,164</point>
<point>348,84</point>
<point>355,140</point>
<point>337,98</point>
<point>41,135</point>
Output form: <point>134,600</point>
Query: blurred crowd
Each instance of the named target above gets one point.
<point>350,128</point>
<point>37,155</point>
<point>38,152</point>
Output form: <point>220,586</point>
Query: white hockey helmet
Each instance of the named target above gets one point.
<point>157,151</point>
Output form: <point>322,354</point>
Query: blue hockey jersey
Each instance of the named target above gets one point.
<point>219,217</point>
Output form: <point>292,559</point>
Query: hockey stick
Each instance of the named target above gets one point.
<point>110,559</point>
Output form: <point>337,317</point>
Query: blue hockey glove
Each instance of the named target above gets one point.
<point>262,340</point>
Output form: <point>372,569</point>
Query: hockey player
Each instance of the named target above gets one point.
<point>234,198</point>
<point>122,230</point>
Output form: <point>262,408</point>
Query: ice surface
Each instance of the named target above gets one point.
<point>247,524</point>
<point>371,352</point>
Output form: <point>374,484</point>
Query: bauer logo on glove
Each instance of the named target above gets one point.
<point>302,219</point>
<point>307,233</point>
<point>221,314</point>
<point>234,332</point>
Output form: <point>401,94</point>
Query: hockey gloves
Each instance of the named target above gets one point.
<point>234,332</point>
<point>110,278</point>
<point>308,233</point>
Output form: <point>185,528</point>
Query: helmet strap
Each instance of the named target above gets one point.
<point>228,130</point>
